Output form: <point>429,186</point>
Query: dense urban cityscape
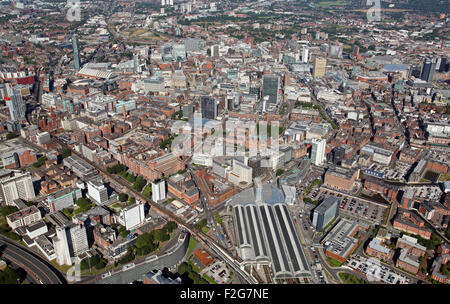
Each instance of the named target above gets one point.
<point>224,142</point>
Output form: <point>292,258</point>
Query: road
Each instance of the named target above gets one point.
<point>209,215</point>
<point>206,240</point>
<point>39,270</point>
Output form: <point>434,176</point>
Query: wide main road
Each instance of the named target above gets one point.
<point>39,270</point>
<point>206,240</point>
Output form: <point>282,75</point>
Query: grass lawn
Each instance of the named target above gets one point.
<point>205,229</point>
<point>334,262</point>
<point>444,177</point>
<point>351,279</point>
<point>331,3</point>
<point>95,271</point>
<point>194,267</point>
<point>62,268</point>
<point>191,246</point>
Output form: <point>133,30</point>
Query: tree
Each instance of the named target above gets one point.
<point>123,197</point>
<point>371,47</point>
<point>170,226</point>
<point>132,200</point>
<point>160,235</point>
<point>307,200</point>
<point>123,232</point>
<point>41,160</point>
<point>279,172</point>
<point>9,276</point>
<point>147,190</point>
<point>66,152</point>
<point>101,264</point>
<point>7,210</point>
<point>116,169</point>
<point>11,135</point>
<point>139,183</point>
<point>131,178</point>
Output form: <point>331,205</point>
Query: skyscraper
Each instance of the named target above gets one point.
<point>443,67</point>
<point>428,68</point>
<point>305,54</point>
<point>209,107</point>
<point>16,105</point>
<point>158,190</point>
<point>214,50</point>
<point>70,241</point>
<point>318,151</point>
<point>76,52</point>
<point>271,87</point>
<point>319,67</point>
<point>326,212</point>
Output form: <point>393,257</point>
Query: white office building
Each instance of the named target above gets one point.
<point>16,185</point>
<point>158,190</point>
<point>318,151</point>
<point>132,216</point>
<point>97,191</point>
<point>70,241</point>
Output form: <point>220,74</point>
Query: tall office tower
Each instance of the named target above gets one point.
<point>428,68</point>
<point>443,66</point>
<point>356,51</point>
<point>326,212</point>
<point>16,105</point>
<point>131,216</point>
<point>319,67</point>
<point>137,67</point>
<point>97,191</point>
<point>338,155</point>
<point>214,50</point>
<point>305,54</point>
<point>70,241</point>
<point>76,52</point>
<point>163,2</point>
<point>158,190</point>
<point>16,185</point>
<point>271,88</point>
<point>209,107</point>
<point>318,151</point>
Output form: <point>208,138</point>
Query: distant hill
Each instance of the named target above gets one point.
<point>439,6</point>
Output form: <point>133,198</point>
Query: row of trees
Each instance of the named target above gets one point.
<point>10,276</point>
<point>186,270</point>
<point>94,261</point>
<point>7,210</point>
<point>148,242</point>
<point>6,231</point>
<point>41,161</point>
<point>116,169</point>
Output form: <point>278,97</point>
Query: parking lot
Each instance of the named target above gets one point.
<point>219,273</point>
<point>398,173</point>
<point>428,192</point>
<point>354,207</point>
<point>374,271</point>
